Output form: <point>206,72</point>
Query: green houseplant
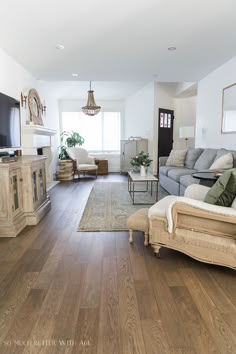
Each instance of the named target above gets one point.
<point>69,139</point>
<point>142,159</point>
<point>142,162</point>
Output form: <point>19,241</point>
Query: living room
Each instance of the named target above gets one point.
<point>70,289</point>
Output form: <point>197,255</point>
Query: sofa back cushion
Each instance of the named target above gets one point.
<point>222,152</point>
<point>176,158</point>
<point>206,159</point>
<point>223,191</point>
<point>224,162</point>
<point>192,156</point>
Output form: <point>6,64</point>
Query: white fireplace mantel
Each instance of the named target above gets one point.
<point>35,137</point>
<point>38,130</point>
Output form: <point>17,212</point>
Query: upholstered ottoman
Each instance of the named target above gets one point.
<point>139,221</point>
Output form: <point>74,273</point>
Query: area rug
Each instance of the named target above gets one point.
<point>109,205</point>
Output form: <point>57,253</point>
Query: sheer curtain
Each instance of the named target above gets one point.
<point>101,132</point>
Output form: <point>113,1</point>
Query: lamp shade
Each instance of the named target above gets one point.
<point>186,132</point>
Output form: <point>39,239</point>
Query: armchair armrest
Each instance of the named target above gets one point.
<point>196,215</point>
<point>162,160</point>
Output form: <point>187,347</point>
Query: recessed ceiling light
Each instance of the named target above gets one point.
<point>60,46</point>
<point>74,74</point>
<point>171,49</point>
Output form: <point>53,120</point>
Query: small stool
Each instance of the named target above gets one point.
<point>139,221</point>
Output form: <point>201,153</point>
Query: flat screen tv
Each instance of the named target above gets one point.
<point>10,127</point>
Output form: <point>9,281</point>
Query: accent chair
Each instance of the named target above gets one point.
<point>83,162</point>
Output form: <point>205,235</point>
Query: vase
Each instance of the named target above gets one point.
<point>143,171</point>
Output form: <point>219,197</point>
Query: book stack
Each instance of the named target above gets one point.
<point>65,171</point>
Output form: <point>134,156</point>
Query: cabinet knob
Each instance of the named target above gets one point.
<point>21,179</point>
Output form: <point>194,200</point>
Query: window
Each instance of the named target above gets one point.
<point>101,132</point>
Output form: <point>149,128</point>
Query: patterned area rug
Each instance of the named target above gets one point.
<point>109,205</point>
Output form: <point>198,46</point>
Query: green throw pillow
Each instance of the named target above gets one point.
<point>223,191</point>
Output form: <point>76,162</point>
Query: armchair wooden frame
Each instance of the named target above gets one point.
<point>205,236</point>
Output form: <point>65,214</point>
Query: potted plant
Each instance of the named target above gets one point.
<point>69,139</point>
<point>66,165</point>
<point>141,160</point>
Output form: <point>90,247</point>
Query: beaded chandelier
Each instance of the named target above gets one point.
<point>91,109</point>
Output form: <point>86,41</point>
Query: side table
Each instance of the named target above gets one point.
<point>102,166</point>
<point>206,178</point>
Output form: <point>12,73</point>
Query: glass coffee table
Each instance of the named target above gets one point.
<point>149,181</point>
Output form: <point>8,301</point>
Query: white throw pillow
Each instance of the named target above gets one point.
<point>224,162</point>
<point>176,158</point>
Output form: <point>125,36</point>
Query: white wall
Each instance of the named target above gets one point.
<point>185,115</point>
<point>209,108</point>
<point>14,79</point>
<point>139,115</point>
<point>163,99</point>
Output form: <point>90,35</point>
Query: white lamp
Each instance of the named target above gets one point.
<point>186,133</point>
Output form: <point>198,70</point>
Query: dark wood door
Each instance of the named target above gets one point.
<point>165,132</point>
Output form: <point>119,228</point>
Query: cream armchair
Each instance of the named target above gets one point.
<point>187,224</point>
<point>82,161</point>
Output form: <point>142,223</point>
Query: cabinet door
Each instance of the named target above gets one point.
<point>16,193</point>
<point>128,150</point>
<point>142,145</point>
<point>42,188</point>
<point>39,185</point>
<point>35,189</point>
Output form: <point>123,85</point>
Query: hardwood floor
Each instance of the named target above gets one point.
<point>62,291</point>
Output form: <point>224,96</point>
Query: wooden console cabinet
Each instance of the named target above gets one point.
<point>23,195</point>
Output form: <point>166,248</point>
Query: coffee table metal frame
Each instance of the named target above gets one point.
<point>134,177</point>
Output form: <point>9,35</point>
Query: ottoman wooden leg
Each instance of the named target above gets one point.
<point>146,239</point>
<point>130,235</point>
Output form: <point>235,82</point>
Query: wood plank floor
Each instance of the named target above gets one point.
<point>62,291</point>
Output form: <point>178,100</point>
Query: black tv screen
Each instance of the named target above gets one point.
<point>10,131</point>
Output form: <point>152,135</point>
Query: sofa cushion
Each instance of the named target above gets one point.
<point>222,152</point>
<point>223,191</point>
<point>206,159</point>
<point>192,156</point>
<point>176,158</point>
<point>187,180</point>
<point>176,173</point>
<point>165,169</point>
<point>223,162</point>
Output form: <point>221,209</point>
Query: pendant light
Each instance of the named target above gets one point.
<point>91,109</point>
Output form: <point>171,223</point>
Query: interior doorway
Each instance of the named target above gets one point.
<point>165,132</point>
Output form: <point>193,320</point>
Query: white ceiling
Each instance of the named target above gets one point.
<point>116,40</point>
<point>103,90</point>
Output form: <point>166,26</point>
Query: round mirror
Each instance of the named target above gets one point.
<point>35,107</point>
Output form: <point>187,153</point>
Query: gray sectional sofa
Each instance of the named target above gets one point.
<point>176,179</point>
